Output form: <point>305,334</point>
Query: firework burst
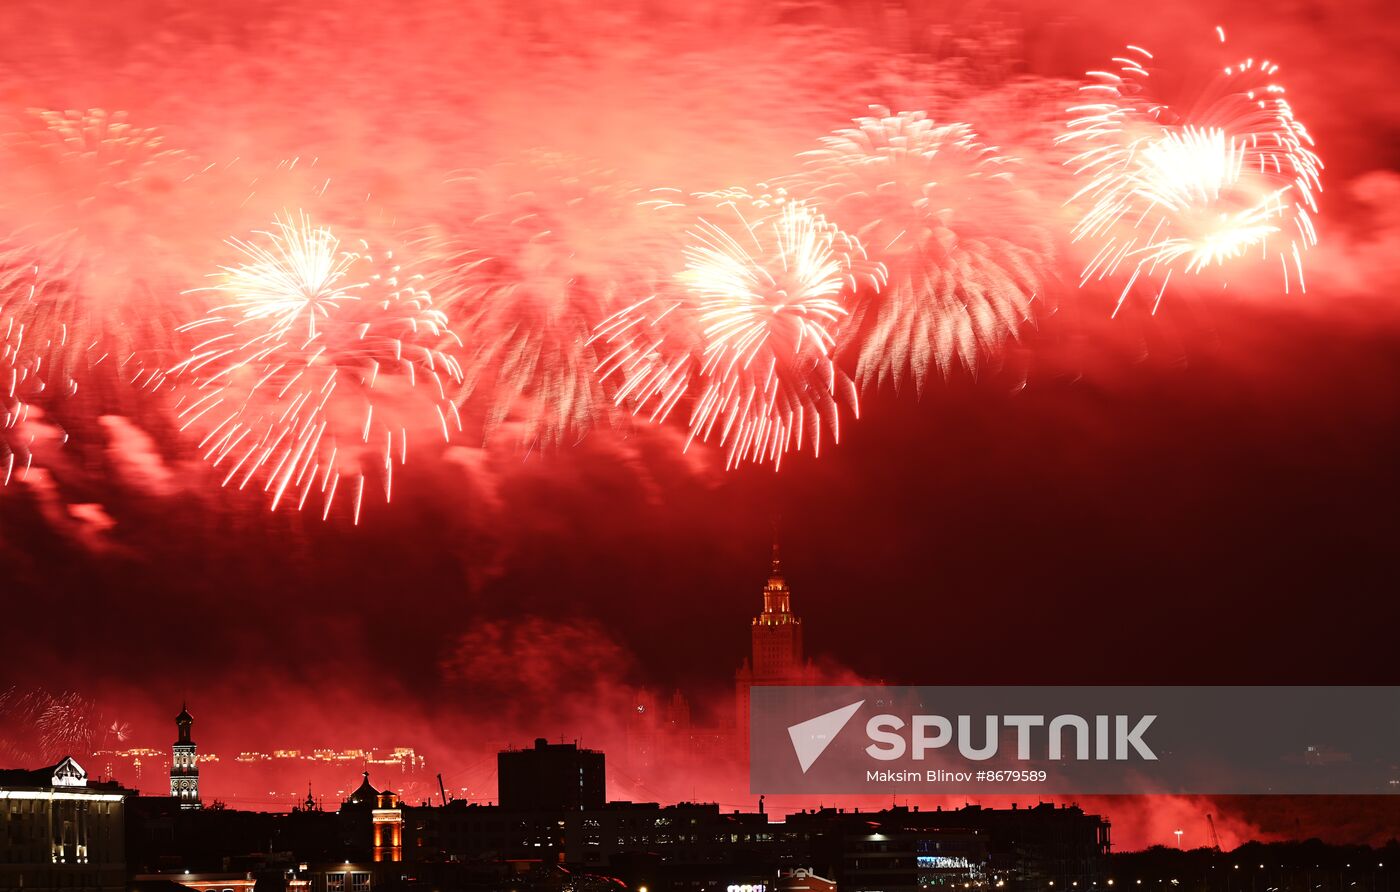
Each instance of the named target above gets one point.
<point>1228,176</point>
<point>546,248</point>
<point>117,732</point>
<point>943,213</point>
<point>91,260</point>
<point>317,368</point>
<point>750,330</point>
<point>69,723</point>
<point>39,726</point>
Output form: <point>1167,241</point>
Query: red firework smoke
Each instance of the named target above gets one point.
<point>533,255</point>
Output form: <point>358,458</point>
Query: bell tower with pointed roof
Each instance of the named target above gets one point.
<point>184,762</point>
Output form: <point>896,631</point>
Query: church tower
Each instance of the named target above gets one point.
<point>777,648</point>
<point>184,765</point>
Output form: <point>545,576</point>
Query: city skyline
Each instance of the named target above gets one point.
<point>652,742</point>
<point>665,751</point>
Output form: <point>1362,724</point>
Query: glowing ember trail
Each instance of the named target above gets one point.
<point>26,360</point>
<point>750,331</point>
<point>318,367</point>
<point>944,214</point>
<point>1231,176</point>
<point>19,380</point>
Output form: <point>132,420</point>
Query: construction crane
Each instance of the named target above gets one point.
<point>1214,837</point>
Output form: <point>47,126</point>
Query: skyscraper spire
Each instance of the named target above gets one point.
<point>777,604</point>
<point>777,644</point>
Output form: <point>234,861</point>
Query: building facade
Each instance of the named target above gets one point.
<point>58,832</point>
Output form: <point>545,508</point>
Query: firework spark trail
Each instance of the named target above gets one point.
<point>38,726</point>
<point>21,383</point>
<point>945,216</point>
<point>750,332</point>
<point>69,724</point>
<point>649,350</point>
<point>318,367</point>
<point>544,249</point>
<point>1231,174</point>
<point>91,258</point>
<point>19,379</point>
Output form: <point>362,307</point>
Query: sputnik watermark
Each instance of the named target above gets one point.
<point>931,732</point>
<point>1112,737</point>
<point>1074,739</point>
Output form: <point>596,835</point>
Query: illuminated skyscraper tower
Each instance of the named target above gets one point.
<point>184,765</point>
<point>777,647</point>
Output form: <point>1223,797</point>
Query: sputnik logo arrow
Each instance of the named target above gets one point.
<point>811,738</point>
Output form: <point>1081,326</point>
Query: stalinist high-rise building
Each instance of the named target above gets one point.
<point>777,648</point>
<point>664,740</point>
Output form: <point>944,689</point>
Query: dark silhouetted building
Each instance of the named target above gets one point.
<point>378,815</point>
<point>902,848</point>
<point>554,832</point>
<point>551,777</point>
